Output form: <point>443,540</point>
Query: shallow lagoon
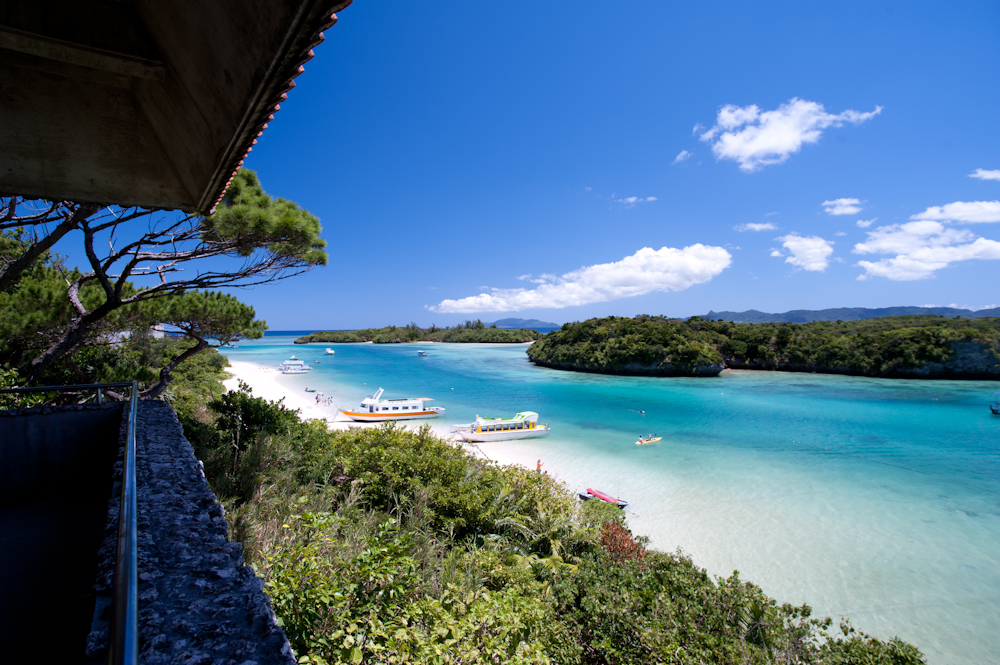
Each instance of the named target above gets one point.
<point>874,499</point>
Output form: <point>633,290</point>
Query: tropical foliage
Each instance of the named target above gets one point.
<point>390,545</point>
<point>138,269</point>
<point>470,331</point>
<point>890,346</point>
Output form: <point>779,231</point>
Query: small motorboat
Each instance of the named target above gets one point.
<point>421,353</point>
<point>310,390</point>
<point>647,439</point>
<point>995,406</point>
<point>330,352</point>
<point>316,361</point>
<point>607,498</point>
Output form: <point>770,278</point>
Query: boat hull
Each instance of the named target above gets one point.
<point>378,418</point>
<point>510,435</point>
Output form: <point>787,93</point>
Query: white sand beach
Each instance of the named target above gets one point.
<point>265,382</point>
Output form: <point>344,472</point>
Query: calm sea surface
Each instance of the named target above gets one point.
<point>874,499</point>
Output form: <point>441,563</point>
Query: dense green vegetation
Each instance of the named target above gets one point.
<point>470,331</point>
<point>137,271</point>
<point>890,346</point>
<point>390,545</point>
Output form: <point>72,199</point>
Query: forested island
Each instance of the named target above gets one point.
<point>468,332</point>
<point>891,347</point>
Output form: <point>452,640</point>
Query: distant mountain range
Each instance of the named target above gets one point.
<point>846,314</point>
<point>530,324</point>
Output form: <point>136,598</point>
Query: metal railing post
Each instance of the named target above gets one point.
<point>124,645</point>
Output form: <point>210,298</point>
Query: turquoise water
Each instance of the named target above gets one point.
<point>873,499</point>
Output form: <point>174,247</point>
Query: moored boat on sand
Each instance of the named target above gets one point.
<point>524,425</point>
<point>373,409</point>
<point>591,493</point>
<point>607,498</point>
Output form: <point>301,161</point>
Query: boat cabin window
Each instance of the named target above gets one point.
<point>395,408</point>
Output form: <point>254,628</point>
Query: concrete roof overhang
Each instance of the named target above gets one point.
<point>151,103</point>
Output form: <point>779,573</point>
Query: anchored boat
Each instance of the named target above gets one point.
<point>293,366</point>
<point>607,498</point>
<point>522,426</point>
<point>330,352</point>
<point>995,406</point>
<point>373,409</point>
<point>647,439</point>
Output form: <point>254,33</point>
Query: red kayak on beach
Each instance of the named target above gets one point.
<point>597,494</point>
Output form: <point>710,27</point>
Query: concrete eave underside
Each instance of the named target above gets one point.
<point>153,103</point>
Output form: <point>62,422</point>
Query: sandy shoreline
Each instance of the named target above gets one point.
<point>266,382</point>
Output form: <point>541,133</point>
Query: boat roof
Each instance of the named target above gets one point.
<point>523,415</point>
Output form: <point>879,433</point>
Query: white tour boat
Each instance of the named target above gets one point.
<point>293,366</point>
<point>373,409</point>
<point>330,352</point>
<point>522,426</point>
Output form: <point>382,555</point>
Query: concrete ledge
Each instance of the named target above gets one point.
<point>198,603</point>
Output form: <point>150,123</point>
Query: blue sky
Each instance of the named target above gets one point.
<point>475,161</point>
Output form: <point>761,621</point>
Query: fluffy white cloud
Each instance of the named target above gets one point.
<point>807,252</point>
<point>963,211</point>
<point>646,271</point>
<point>683,155</point>
<point>983,174</point>
<point>756,138</point>
<point>865,223</point>
<point>630,201</point>
<point>775,252</point>
<point>753,226</point>
<point>541,279</point>
<point>842,207</point>
<point>920,249</point>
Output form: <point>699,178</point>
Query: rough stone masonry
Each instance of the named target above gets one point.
<point>198,603</point>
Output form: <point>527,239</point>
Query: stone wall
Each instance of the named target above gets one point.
<point>198,603</point>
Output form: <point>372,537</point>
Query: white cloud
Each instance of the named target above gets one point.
<point>840,233</point>
<point>920,249</point>
<point>646,271</point>
<point>865,223</point>
<point>842,207</point>
<point>962,211</point>
<point>683,155</point>
<point>775,252</point>
<point>807,252</point>
<point>756,138</point>
<point>541,279</point>
<point>630,201</point>
<point>983,174</point>
<point>753,226</point>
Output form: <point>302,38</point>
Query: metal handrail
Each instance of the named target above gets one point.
<point>123,647</point>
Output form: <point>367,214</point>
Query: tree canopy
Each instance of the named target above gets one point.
<point>897,346</point>
<point>144,267</point>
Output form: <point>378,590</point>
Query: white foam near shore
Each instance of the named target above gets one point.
<point>266,382</point>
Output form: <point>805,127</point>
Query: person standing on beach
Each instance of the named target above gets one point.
<point>538,467</point>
